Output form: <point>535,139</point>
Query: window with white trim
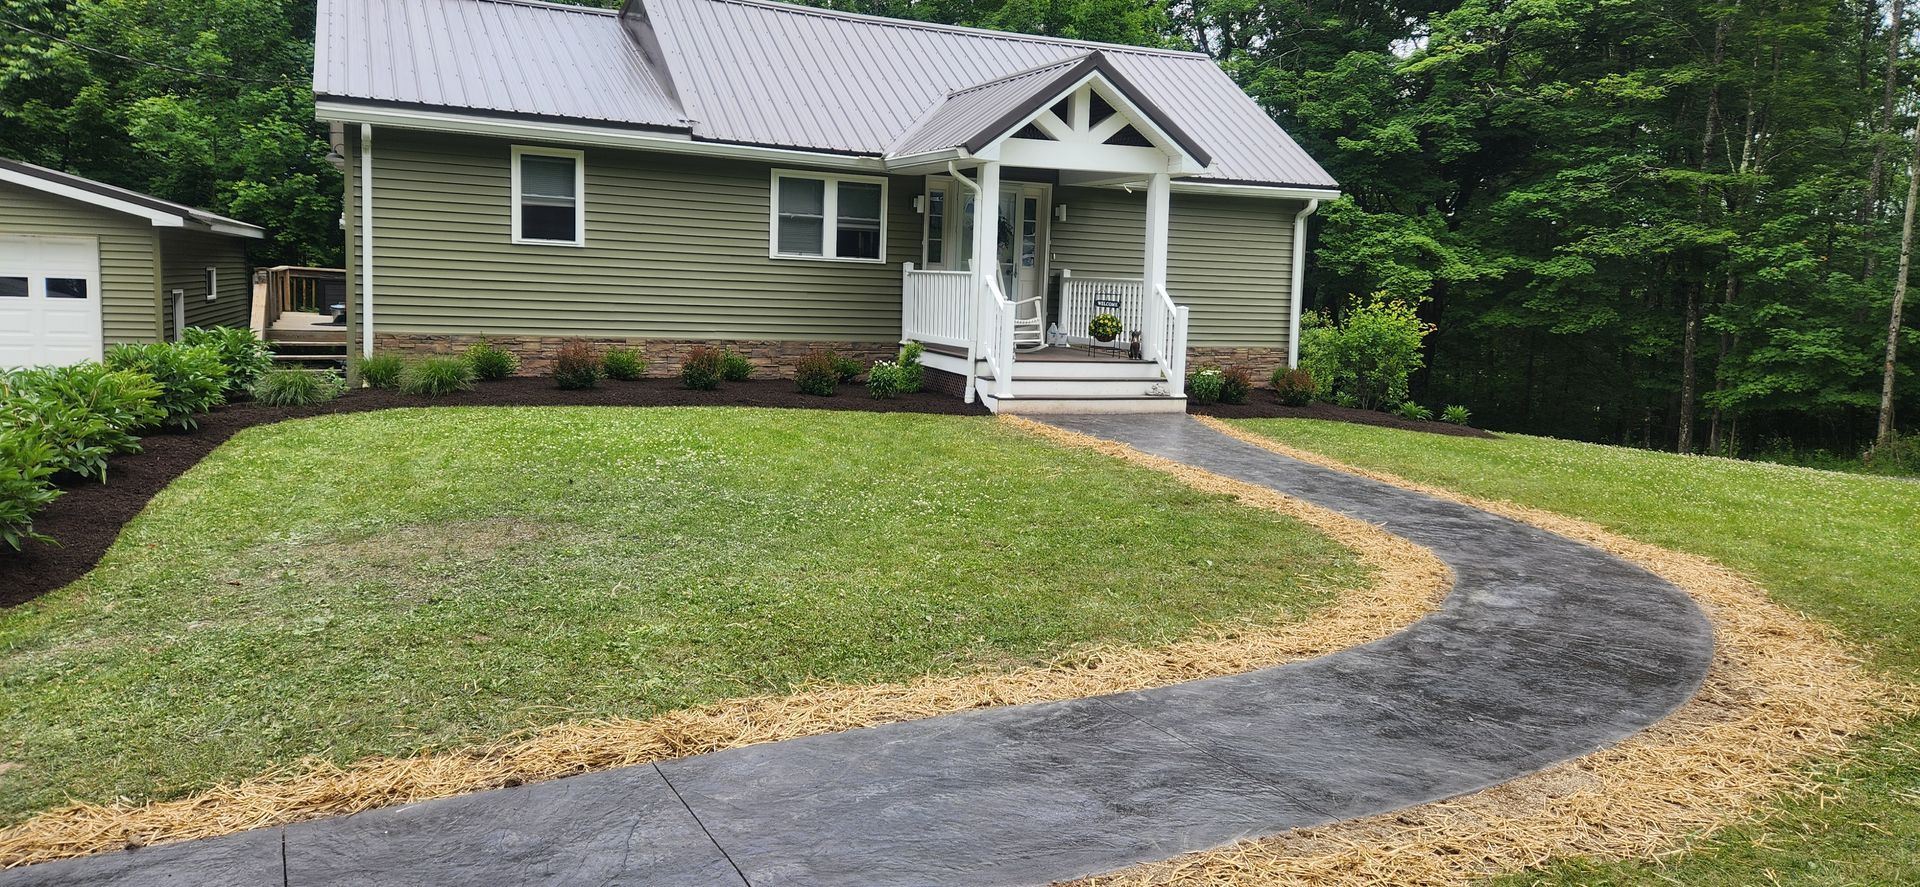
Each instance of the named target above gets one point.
<point>819,216</point>
<point>213,283</point>
<point>549,203</point>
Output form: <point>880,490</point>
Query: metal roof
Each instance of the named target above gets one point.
<point>753,72</point>
<point>516,57</point>
<point>118,199</point>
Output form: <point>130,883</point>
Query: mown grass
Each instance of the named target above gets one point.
<point>1843,548</point>
<point>378,583</point>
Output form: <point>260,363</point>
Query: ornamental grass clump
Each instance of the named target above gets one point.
<point>192,379</point>
<point>1414,411</point>
<point>734,366</point>
<point>1205,384</point>
<point>378,371</point>
<point>1455,415</point>
<point>436,377</point>
<point>1293,387</point>
<point>703,367</point>
<point>818,373</point>
<point>576,367</point>
<point>624,364</point>
<point>490,362</point>
<point>292,387</point>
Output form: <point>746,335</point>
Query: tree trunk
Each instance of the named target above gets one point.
<point>1877,176</point>
<point>1689,351</point>
<point>1885,432</point>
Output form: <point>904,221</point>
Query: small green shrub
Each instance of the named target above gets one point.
<point>1411,410</point>
<point>845,369</point>
<point>245,357</point>
<point>913,376</point>
<point>1455,415</point>
<point>1235,385</point>
<point>192,379</point>
<point>576,367</point>
<point>701,372</point>
<point>73,436</point>
<point>436,377</point>
<point>378,371</point>
<point>298,388</point>
<point>490,362</point>
<point>1367,358</point>
<point>734,366</point>
<point>624,364</point>
<point>1899,454</point>
<point>25,469</point>
<point>1293,387</point>
<point>85,411</point>
<point>1205,384</point>
<point>885,380</point>
<point>818,373</point>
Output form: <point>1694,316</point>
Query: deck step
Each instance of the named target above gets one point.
<point>1083,404</point>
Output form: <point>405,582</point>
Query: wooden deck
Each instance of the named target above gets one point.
<point>1053,354</point>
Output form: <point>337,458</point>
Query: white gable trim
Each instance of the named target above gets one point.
<point>1090,140</point>
<point>158,218</point>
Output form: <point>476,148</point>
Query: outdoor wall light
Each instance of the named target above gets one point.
<point>1059,212</point>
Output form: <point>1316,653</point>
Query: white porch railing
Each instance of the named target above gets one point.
<point>936,307</point>
<point>1164,339</point>
<point>1081,299</point>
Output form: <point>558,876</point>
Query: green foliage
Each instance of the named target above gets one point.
<point>1235,385</point>
<point>1205,384</point>
<point>734,366</point>
<point>291,387</point>
<point>1411,410</point>
<point>1369,357</point>
<point>818,373</point>
<point>1898,455</point>
<point>86,412</point>
<point>1292,387</point>
<point>577,367</point>
<point>245,357</point>
<point>885,380</point>
<point>1455,415</point>
<point>913,376</point>
<point>1104,327</point>
<point>845,368</point>
<point>490,362</point>
<point>701,371</point>
<point>624,364</point>
<point>26,465</point>
<point>379,371</point>
<point>436,376</point>
<point>191,378</point>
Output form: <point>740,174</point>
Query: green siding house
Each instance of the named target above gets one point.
<point>781,179</point>
<point>84,265</point>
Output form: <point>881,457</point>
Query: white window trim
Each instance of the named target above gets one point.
<point>830,216</point>
<point>213,283</point>
<point>579,159</point>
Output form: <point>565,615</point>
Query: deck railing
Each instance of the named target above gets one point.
<point>1083,298</point>
<point>937,307</point>
<point>310,290</point>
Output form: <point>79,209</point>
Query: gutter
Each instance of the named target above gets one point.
<point>1298,281</point>
<point>366,240</point>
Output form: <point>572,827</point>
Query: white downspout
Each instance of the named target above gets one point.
<point>973,338</point>
<point>1298,280</point>
<point>366,240</point>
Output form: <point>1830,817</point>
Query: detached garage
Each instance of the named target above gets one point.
<point>85,264</point>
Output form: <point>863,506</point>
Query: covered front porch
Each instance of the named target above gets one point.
<point>988,300</point>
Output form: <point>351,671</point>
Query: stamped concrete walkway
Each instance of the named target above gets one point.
<point>1545,650</point>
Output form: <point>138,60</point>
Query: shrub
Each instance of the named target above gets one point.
<point>623,364</point>
<point>818,373</point>
<point>191,378</point>
<point>702,370</point>
<point>298,388</point>
<point>379,371</point>
<point>491,362</point>
<point>1411,410</point>
<point>245,357</point>
<point>1235,385</point>
<point>1899,454</point>
<point>86,411</point>
<point>1370,356</point>
<point>436,377</point>
<point>885,379</point>
<point>1204,385</point>
<point>1293,387</point>
<point>25,466</point>
<point>1455,415</point>
<point>845,369</point>
<point>577,367</point>
<point>913,376</point>
<point>734,367</point>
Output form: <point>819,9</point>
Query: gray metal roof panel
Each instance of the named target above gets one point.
<point>965,114</point>
<point>509,56</point>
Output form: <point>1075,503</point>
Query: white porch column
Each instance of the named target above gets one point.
<point>1157,211</point>
<point>986,225</point>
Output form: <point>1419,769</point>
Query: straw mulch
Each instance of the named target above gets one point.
<point>1783,692</point>
<point>1408,582</point>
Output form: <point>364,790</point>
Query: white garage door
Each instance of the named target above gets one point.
<point>49,300</point>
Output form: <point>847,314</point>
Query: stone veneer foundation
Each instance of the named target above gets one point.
<point>1259,362</point>
<point>770,359</point>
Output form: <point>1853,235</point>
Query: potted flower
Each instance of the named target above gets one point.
<point>1103,327</point>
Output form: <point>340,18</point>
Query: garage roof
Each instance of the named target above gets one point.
<point>162,213</point>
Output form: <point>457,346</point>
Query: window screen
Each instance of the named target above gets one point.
<point>858,232</point>
<point>803,216</point>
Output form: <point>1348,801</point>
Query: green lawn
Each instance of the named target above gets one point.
<point>384,582</point>
<point>1844,548</point>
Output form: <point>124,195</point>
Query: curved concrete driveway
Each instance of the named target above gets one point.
<point>1545,650</point>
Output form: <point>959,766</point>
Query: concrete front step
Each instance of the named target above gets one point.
<point>1072,386</point>
<point>1088,404</point>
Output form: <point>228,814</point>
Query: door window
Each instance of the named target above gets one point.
<point>66,287</point>
<point>13,287</point>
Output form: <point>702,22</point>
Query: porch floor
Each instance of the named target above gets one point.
<point>1053,354</point>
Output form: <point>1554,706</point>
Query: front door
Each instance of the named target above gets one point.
<point>1023,210</point>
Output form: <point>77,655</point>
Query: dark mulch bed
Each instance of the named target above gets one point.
<point>88,518</point>
<point>1262,406</point>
